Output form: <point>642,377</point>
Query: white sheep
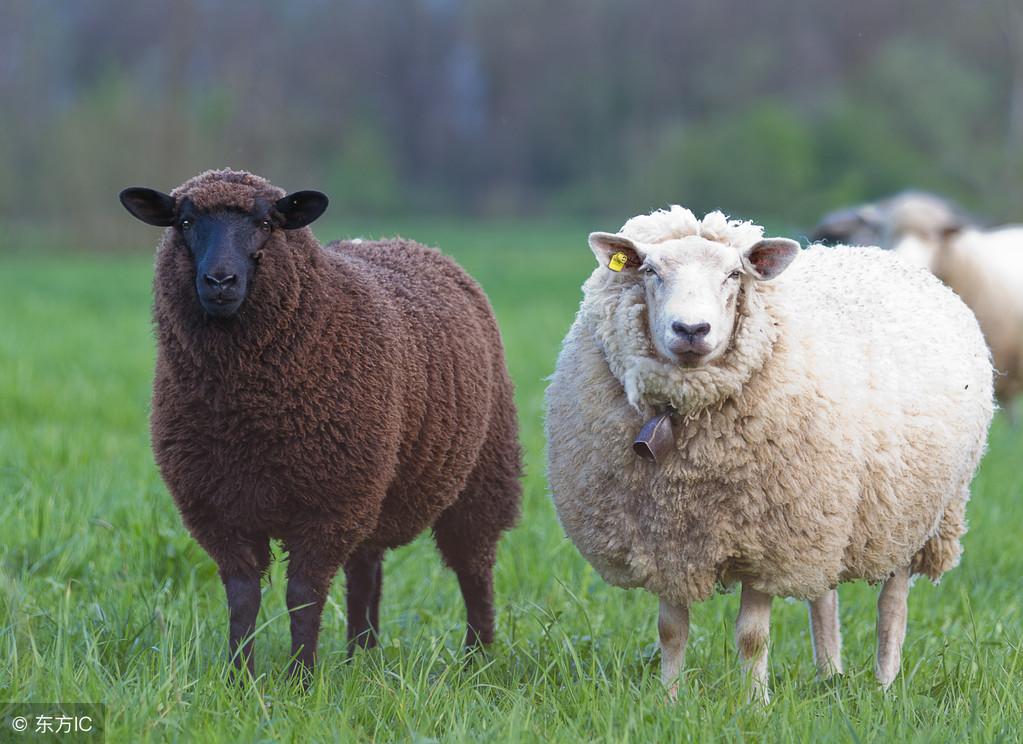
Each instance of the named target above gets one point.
<point>829,423</point>
<point>984,267</point>
<point>882,223</point>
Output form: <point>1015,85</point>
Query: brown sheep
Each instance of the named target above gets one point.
<point>341,400</point>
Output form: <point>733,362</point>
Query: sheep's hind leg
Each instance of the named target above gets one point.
<point>752,635</point>
<point>467,532</point>
<point>891,625</point>
<point>364,578</point>
<point>478,594</point>
<point>475,571</point>
<point>827,634</point>
<point>470,551</point>
<point>673,634</point>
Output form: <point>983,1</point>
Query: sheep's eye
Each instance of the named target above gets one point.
<point>186,224</point>
<point>735,274</point>
<point>648,270</point>
<point>265,225</point>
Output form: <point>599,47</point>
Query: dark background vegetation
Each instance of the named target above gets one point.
<point>774,110</point>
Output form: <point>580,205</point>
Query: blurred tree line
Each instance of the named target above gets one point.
<point>774,109</point>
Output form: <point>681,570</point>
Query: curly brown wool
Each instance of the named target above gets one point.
<point>358,397</point>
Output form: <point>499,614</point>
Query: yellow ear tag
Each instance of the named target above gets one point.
<point>618,261</point>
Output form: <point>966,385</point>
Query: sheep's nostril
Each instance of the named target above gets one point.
<point>694,331</point>
<point>220,281</point>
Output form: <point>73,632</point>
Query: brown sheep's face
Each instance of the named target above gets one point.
<point>692,288</point>
<point>224,244</point>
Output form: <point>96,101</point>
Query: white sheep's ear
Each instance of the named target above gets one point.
<point>615,252</point>
<point>767,258</point>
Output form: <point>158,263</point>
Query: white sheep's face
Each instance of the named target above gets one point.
<point>919,251</point>
<point>692,287</point>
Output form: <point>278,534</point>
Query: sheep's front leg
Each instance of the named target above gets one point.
<point>242,560</point>
<point>364,583</point>
<point>752,634</point>
<point>891,626</point>
<point>827,634</point>
<point>305,598</point>
<point>673,633</point>
<point>243,600</point>
<point>312,564</point>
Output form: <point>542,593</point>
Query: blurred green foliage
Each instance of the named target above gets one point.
<point>915,116</point>
<point>590,108</point>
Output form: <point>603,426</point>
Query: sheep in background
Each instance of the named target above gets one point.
<point>341,399</point>
<point>885,222</point>
<point>983,266</point>
<point>829,421</point>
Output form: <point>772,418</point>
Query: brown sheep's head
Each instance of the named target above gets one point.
<point>224,242</point>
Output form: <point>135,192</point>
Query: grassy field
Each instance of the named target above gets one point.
<point>105,598</point>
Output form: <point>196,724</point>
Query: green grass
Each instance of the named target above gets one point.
<point>104,597</point>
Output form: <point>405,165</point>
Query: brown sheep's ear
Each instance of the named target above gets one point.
<point>151,206</point>
<point>615,252</point>
<point>767,258</point>
<point>301,208</point>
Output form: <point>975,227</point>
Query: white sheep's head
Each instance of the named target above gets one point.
<point>910,214</point>
<point>920,251</point>
<point>692,287</point>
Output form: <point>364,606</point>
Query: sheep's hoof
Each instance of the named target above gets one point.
<point>239,676</point>
<point>830,678</point>
<point>885,676</point>
<point>759,694</point>
<point>829,672</point>
<point>473,651</point>
<point>673,692</point>
<point>364,641</point>
<point>478,637</point>
<point>299,672</point>
<point>759,697</point>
